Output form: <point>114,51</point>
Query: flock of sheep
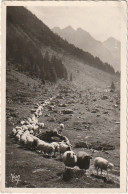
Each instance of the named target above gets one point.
<point>25,134</point>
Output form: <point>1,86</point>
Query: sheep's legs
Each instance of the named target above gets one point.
<point>97,171</point>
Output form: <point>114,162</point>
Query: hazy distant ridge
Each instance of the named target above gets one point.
<point>108,51</point>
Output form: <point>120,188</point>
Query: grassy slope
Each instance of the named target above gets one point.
<point>34,169</point>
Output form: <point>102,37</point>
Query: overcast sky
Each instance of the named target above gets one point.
<point>102,21</point>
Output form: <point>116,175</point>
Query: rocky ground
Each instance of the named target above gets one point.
<point>93,125</point>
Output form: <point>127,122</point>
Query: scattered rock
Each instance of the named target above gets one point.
<point>62,105</point>
<point>67,111</point>
<point>106,112</point>
<point>94,111</point>
<point>104,97</point>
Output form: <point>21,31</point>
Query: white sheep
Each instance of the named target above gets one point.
<point>31,132</point>
<point>39,113</point>
<point>30,120</point>
<point>63,148</point>
<point>40,108</point>
<point>40,145</point>
<point>41,125</point>
<point>17,127</point>
<point>30,141</point>
<point>69,159</point>
<point>14,131</point>
<point>18,135</point>
<point>30,127</point>
<point>22,122</point>
<point>61,128</point>
<point>56,146</point>
<point>35,129</point>
<point>50,149</point>
<point>102,164</point>
<point>34,119</point>
<point>24,127</point>
<point>23,139</point>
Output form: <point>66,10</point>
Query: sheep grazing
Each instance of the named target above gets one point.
<point>50,149</point>
<point>40,145</point>
<point>24,127</point>
<point>56,146</point>
<point>23,139</point>
<point>35,129</point>
<point>18,135</point>
<point>63,148</point>
<point>29,141</point>
<point>41,125</point>
<point>83,160</point>
<point>69,159</point>
<point>30,127</point>
<point>102,164</point>
<point>45,148</point>
<point>13,132</point>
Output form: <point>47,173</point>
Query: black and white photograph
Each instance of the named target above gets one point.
<point>65,103</point>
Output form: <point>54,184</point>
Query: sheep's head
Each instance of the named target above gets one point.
<point>88,157</point>
<point>110,166</point>
<point>70,154</point>
<point>62,126</point>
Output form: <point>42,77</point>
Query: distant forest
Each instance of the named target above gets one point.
<point>26,34</point>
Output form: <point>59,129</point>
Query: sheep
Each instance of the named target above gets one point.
<point>30,127</point>
<point>31,132</point>
<point>22,122</point>
<point>69,159</point>
<point>30,120</point>
<point>39,113</point>
<point>24,127</point>
<point>14,131</point>
<point>61,128</point>
<point>23,139</point>
<point>63,148</point>
<point>27,123</point>
<point>34,118</point>
<point>17,127</point>
<point>35,142</point>
<point>35,129</point>
<point>40,108</point>
<point>102,164</point>
<point>41,125</point>
<point>30,141</point>
<point>83,160</point>
<point>40,145</point>
<point>18,136</point>
<point>50,149</point>
<point>56,146</point>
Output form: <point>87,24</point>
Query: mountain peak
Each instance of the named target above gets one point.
<point>112,40</point>
<point>56,29</point>
<point>68,28</point>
